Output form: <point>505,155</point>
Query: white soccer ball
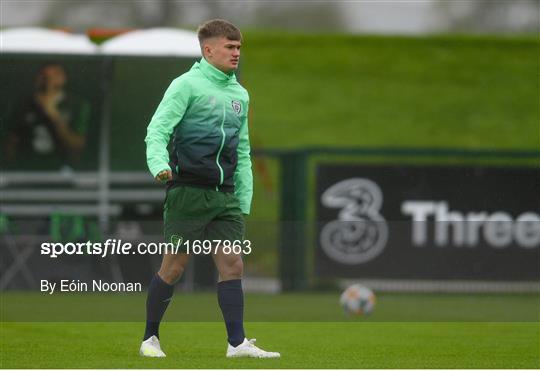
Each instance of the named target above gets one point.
<point>357,300</point>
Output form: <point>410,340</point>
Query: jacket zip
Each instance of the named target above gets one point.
<point>220,149</point>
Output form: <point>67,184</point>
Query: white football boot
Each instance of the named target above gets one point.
<point>248,349</point>
<point>150,348</point>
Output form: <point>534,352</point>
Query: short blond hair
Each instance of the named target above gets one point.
<point>218,28</point>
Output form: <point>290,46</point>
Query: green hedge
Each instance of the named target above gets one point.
<point>336,90</point>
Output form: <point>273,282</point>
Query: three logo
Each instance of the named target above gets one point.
<point>360,233</point>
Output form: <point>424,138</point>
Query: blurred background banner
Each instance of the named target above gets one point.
<point>420,222</point>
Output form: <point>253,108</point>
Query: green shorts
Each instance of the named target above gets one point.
<point>191,213</point>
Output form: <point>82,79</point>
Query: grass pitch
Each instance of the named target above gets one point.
<point>405,331</point>
<point>302,345</point>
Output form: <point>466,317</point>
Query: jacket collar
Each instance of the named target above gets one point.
<point>214,74</point>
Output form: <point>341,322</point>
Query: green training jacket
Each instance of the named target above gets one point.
<point>205,111</point>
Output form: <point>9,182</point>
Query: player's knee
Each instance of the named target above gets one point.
<point>236,269</point>
<point>172,274</point>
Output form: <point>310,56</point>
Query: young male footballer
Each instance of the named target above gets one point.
<point>209,181</point>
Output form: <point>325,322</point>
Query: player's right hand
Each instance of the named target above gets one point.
<point>164,176</point>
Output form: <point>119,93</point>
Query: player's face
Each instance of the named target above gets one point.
<point>56,79</point>
<point>223,53</point>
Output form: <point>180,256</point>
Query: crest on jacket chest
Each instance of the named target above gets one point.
<point>236,106</point>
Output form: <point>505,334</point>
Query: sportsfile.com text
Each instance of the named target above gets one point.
<point>119,247</point>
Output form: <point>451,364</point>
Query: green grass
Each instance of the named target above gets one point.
<point>339,90</point>
<point>405,331</point>
<point>314,307</point>
<point>302,345</point>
